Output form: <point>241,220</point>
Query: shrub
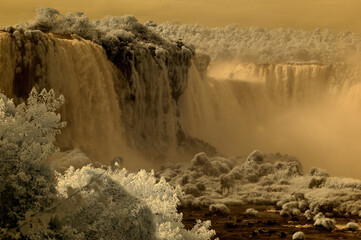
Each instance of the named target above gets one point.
<point>27,135</point>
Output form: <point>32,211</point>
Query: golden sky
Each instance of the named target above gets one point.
<point>337,15</point>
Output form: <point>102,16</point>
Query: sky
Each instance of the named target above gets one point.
<point>336,15</point>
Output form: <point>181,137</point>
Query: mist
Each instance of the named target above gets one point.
<point>302,110</point>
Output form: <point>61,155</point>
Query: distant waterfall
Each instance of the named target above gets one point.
<point>310,111</point>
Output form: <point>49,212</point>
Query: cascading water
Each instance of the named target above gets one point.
<point>308,110</point>
<point>124,108</point>
<point>80,71</point>
<point>143,95</point>
<point>295,91</point>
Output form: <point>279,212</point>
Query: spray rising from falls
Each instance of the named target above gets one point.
<point>310,111</point>
<point>277,90</point>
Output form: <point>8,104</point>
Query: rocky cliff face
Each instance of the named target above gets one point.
<point>113,101</point>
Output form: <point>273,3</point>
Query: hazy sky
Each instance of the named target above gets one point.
<point>307,14</point>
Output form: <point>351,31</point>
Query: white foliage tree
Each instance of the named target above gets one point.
<point>27,135</point>
<point>113,33</point>
<point>89,203</point>
<point>262,45</point>
<point>142,189</point>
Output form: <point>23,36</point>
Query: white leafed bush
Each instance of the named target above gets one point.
<point>87,203</point>
<point>262,45</point>
<point>251,212</point>
<point>219,208</point>
<point>351,226</point>
<point>159,197</point>
<point>298,236</point>
<point>113,33</point>
<point>325,223</point>
<point>259,179</point>
<point>27,135</point>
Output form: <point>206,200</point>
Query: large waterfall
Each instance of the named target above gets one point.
<point>80,71</point>
<point>113,109</point>
<point>131,93</point>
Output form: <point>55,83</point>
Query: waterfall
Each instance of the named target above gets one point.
<point>150,105</point>
<point>79,70</point>
<point>126,108</point>
<point>311,111</point>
